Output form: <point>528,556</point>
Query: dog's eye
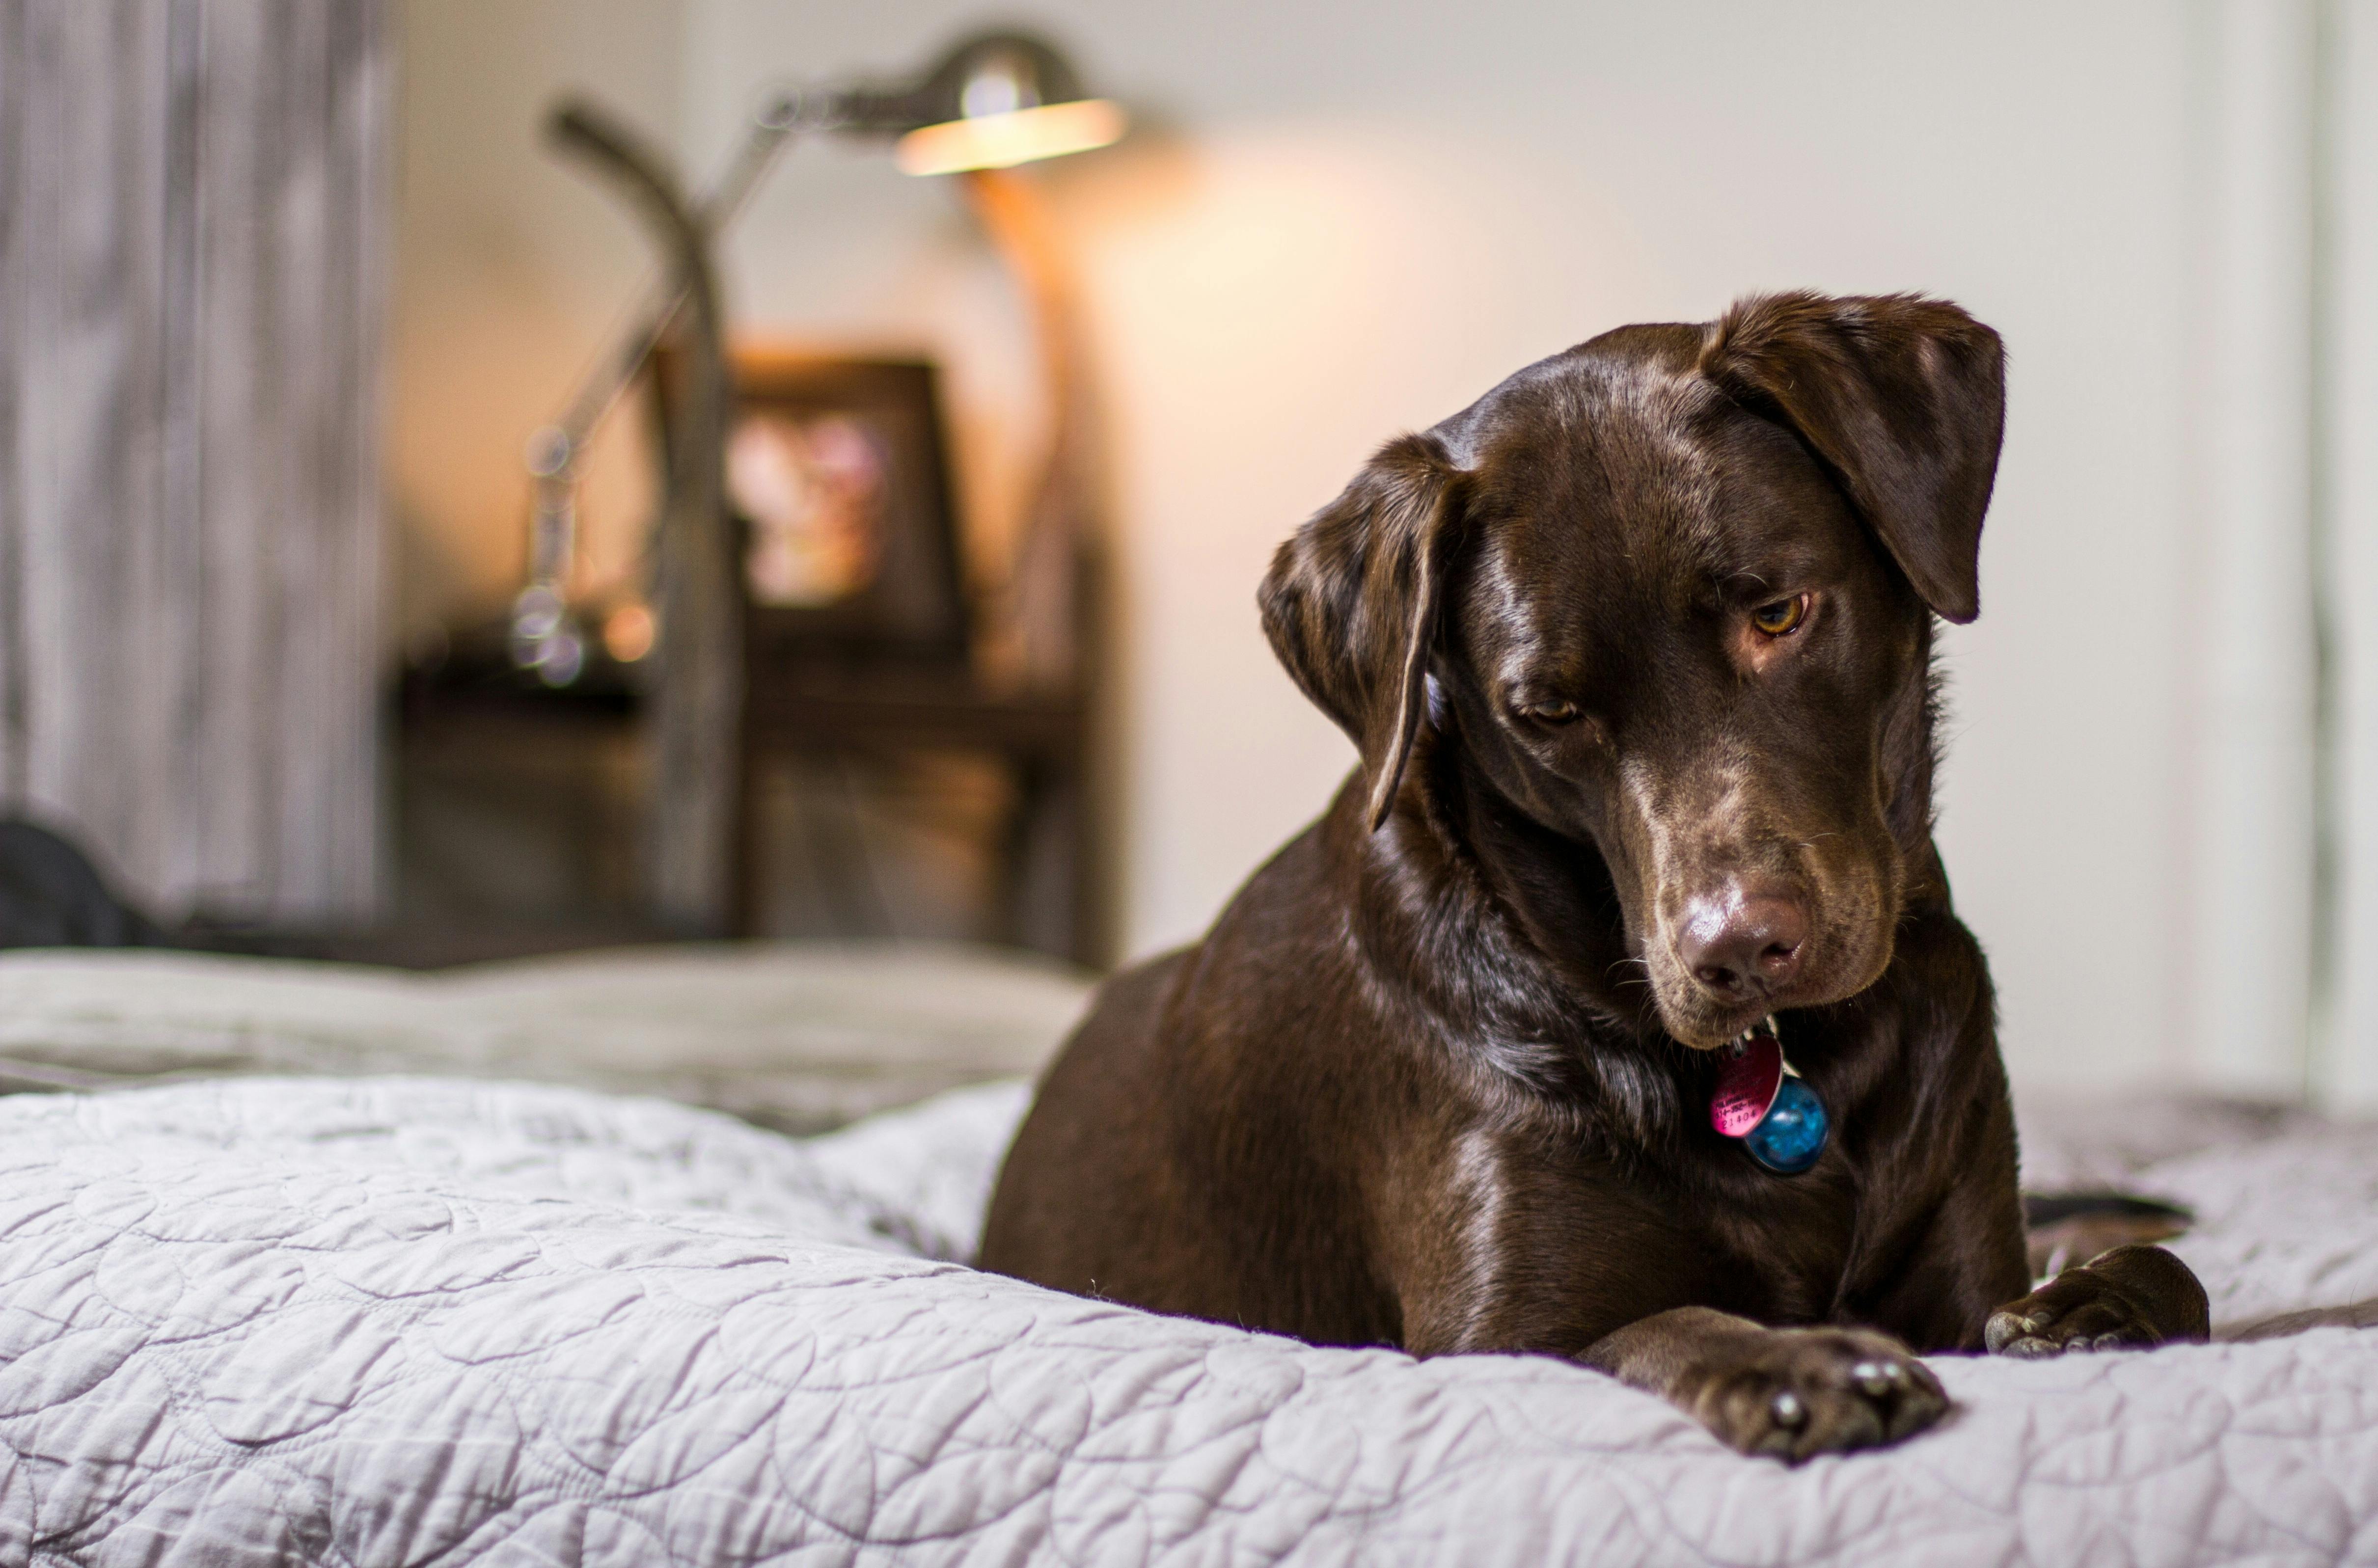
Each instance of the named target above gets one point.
<point>1783,617</point>
<point>1555,712</point>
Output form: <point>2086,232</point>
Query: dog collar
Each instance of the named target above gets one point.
<point>1762,1101</point>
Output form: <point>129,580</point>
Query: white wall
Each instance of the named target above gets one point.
<point>2248,667</point>
<point>1337,224</point>
<point>2346,1057</point>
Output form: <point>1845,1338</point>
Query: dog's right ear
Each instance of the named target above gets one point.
<point>1352,601</point>
<point>1904,398</point>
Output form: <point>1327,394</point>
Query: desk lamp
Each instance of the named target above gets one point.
<point>994,100</point>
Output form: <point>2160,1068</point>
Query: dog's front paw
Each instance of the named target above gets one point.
<point>1797,1391</point>
<point>2130,1297</point>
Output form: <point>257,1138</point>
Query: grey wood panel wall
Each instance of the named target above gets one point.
<point>193,234</point>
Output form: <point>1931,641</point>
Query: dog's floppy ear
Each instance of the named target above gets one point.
<point>1902,397</point>
<point>1350,603</point>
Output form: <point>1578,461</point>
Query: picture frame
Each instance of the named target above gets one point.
<point>839,480</point>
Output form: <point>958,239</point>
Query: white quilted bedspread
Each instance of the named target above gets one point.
<point>411,1321</point>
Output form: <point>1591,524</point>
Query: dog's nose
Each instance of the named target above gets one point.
<point>1744,942</point>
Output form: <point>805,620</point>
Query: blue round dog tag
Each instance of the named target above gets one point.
<point>1789,1139</point>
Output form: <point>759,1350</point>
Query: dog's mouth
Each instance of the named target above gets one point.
<point>1714,1040</point>
<point>1766,1025</point>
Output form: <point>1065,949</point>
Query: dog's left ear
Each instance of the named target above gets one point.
<point>1352,601</point>
<point>1904,398</point>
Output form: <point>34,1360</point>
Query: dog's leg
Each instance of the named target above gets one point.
<point>2279,1325</point>
<point>1791,1392</point>
<point>2131,1297</point>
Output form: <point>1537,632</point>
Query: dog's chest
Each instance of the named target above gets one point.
<point>1710,1230</point>
<point>1780,1248</point>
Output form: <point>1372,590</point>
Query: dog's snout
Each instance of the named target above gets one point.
<point>1744,942</point>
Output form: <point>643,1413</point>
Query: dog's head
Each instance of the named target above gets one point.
<point>1668,594</point>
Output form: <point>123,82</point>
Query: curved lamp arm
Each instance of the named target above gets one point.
<point>543,637</point>
<point>697,707</point>
<point>993,100</point>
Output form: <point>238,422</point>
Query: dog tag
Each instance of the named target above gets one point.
<point>1747,1082</point>
<point>1791,1134</point>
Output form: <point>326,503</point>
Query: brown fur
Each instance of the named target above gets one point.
<point>1431,1080</point>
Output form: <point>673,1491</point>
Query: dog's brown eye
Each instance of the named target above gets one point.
<point>1783,617</point>
<point>1554,713</point>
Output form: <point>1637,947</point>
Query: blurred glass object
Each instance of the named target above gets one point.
<point>545,637</point>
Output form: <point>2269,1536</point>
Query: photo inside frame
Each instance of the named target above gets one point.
<point>813,494</point>
<point>838,474</point>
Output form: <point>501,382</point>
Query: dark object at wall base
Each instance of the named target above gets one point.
<point>51,895</point>
<point>2072,1227</point>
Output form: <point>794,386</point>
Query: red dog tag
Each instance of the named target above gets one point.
<point>1747,1084</point>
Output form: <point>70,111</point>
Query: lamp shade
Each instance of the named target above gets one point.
<point>995,100</point>
<point>1000,141</point>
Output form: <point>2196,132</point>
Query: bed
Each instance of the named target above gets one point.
<point>413,1307</point>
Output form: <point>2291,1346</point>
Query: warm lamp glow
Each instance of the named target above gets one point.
<point>1018,136</point>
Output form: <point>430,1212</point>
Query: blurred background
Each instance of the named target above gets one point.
<point>292,287</point>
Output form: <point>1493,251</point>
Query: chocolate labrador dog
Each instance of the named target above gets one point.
<point>1638,652</point>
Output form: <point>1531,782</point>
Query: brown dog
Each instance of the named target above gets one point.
<point>1637,649</point>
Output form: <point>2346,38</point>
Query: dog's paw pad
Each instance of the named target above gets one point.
<point>1796,1392</point>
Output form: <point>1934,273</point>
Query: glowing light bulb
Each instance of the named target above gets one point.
<point>1016,136</point>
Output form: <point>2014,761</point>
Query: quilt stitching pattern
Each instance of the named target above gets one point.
<point>407,1320</point>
